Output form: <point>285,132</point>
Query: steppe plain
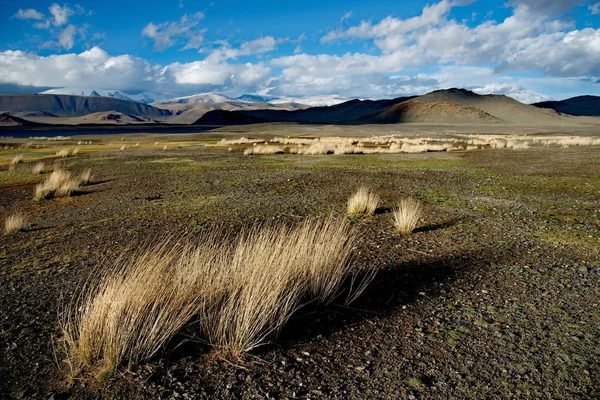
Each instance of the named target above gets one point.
<point>495,295</point>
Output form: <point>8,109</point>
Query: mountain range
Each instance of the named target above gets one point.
<point>451,106</point>
<point>150,97</point>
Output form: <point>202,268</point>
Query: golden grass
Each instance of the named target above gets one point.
<point>63,153</point>
<point>264,149</point>
<point>16,160</point>
<point>396,144</point>
<point>14,223</point>
<point>239,290</point>
<point>86,177</point>
<point>362,203</point>
<point>58,184</point>
<point>38,168</point>
<point>75,151</point>
<point>406,216</point>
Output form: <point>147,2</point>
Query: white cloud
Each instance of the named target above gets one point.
<point>60,14</point>
<point>96,68</point>
<point>168,34</point>
<point>251,47</point>
<point>594,8</point>
<point>29,13</point>
<point>66,38</point>
<point>347,15</point>
<point>546,6</point>
<point>486,58</point>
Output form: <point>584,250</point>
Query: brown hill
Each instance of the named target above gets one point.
<point>435,112</point>
<point>501,107</point>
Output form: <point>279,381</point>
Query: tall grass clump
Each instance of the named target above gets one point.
<point>58,184</point>
<point>236,291</point>
<point>86,177</point>
<point>14,223</point>
<point>63,153</point>
<point>406,216</point>
<point>270,273</point>
<point>15,161</point>
<point>38,168</point>
<point>362,203</point>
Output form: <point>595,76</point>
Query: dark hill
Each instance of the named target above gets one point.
<point>11,120</point>
<point>579,106</point>
<point>74,106</point>
<point>350,112</point>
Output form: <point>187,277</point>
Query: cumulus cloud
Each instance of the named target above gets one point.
<point>594,8</point>
<point>486,58</point>
<point>546,6</point>
<point>168,34</point>
<point>66,38</point>
<point>60,14</point>
<point>251,47</point>
<point>29,13</point>
<point>96,68</point>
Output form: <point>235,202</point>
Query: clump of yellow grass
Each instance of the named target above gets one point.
<point>61,183</point>
<point>14,223</point>
<point>406,216</point>
<point>362,203</point>
<point>38,168</point>
<point>63,153</point>
<point>16,160</point>
<point>86,177</point>
<point>264,149</point>
<point>238,290</point>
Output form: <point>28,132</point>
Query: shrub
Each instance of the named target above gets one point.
<point>406,216</point>
<point>14,223</point>
<point>240,290</point>
<point>362,203</point>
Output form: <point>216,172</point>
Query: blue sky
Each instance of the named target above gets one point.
<point>529,49</point>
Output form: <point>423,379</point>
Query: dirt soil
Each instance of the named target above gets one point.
<point>497,294</point>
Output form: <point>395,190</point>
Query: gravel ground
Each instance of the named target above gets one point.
<point>495,296</point>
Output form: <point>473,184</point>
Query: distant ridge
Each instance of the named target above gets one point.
<point>441,106</point>
<point>11,120</point>
<point>74,106</point>
<point>579,106</point>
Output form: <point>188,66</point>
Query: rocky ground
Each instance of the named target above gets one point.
<point>495,296</point>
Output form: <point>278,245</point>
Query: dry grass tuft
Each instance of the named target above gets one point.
<point>14,223</point>
<point>16,160</point>
<point>240,290</point>
<point>264,149</point>
<point>58,184</point>
<point>362,203</point>
<point>406,216</point>
<point>75,151</point>
<point>63,153</point>
<point>38,168</point>
<point>86,177</point>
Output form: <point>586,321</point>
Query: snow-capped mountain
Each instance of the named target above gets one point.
<point>197,99</point>
<point>202,98</point>
<point>144,97</point>
<point>314,101</point>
